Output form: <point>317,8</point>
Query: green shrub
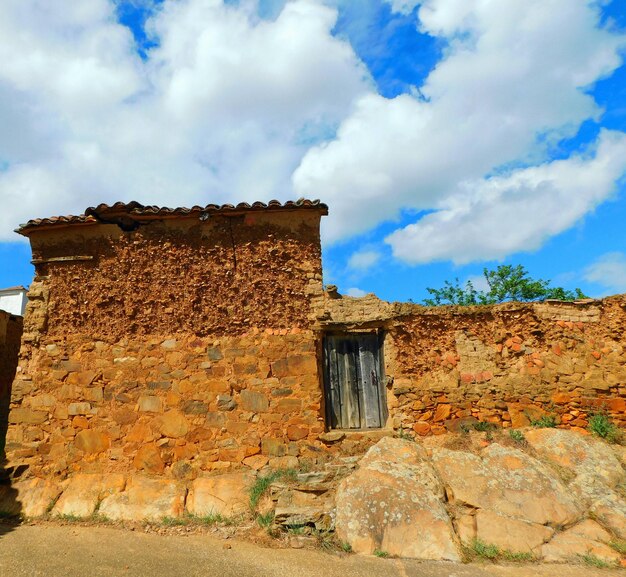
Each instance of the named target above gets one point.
<point>261,486</point>
<point>484,426</point>
<point>517,436</point>
<point>601,426</point>
<point>545,422</point>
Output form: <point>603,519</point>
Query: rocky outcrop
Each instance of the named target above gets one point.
<point>395,503</point>
<point>536,498</point>
<point>557,496</point>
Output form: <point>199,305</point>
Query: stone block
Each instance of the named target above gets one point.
<point>148,458</point>
<point>273,447</point>
<point>150,404</point>
<point>92,441</point>
<point>226,495</point>
<point>510,534</point>
<point>194,408</point>
<point>253,401</point>
<point>172,424</point>
<point>81,379</point>
<point>85,491</point>
<point>394,502</point>
<point>79,409</point>
<point>27,417</point>
<point>145,499</point>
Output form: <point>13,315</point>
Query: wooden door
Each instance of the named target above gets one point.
<point>354,394</point>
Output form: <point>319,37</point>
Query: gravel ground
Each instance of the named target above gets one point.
<point>77,550</point>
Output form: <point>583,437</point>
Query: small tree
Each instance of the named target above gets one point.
<point>506,283</point>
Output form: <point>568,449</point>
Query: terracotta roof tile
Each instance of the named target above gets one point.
<point>94,214</point>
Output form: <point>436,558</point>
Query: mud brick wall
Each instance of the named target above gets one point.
<point>220,276</point>
<point>10,335</point>
<point>508,364</point>
<point>176,349</point>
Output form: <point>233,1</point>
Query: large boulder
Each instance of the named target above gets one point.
<point>508,482</point>
<point>145,499</point>
<point>592,462</point>
<point>394,503</point>
<point>28,497</point>
<point>586,538</point>
<point>225,495</point>
<point>304,508</point>
<point>85,491</point>
<point>610,510</point>
<point>510,534</point>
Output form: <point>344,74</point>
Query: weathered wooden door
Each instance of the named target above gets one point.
<point>355,398</point>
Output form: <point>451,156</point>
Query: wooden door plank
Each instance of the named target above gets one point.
<point>349,396</point>
<point>333,398</point>
<point>370,382</point>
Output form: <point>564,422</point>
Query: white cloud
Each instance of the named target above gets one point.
<point>225,108</point>
<point>490,218</point>
<point>511,80</point>
<point>216,113</point>
<point>355,292</point>
<point>363,260</point>
<point>609,271</point>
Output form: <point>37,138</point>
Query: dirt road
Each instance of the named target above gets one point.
<point>78,551</point>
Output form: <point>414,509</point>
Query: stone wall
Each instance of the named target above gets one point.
<point>175,405</point>
<point>508,364</point>
<point>179,348</point>
<point>10,334</point>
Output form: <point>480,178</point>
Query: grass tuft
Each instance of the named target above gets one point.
<point>544,422</point>
<point>517,436</point>
<point>601,426</point>
<point>484,550</point>
<point>619,546</point>
<point>594,561</point>
<point>381,554</point>
<point>484,426</point>
<point>174,521</point>
<point>265,519</point>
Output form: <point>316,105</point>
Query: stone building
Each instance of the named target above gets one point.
<point>178,342</point>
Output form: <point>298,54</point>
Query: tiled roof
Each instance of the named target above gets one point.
<point>136,211</point>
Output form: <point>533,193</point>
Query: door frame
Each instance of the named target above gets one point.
<point>382,388</point>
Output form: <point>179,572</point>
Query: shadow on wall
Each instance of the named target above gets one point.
<point>10,506</point>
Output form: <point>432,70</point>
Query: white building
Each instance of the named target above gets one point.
<point>13,300</point>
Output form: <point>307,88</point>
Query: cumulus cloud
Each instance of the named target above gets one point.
<point>221,110</point>
<point>493,217</point>
<point>229,106</point>
<point>511,83</point>
<point>609,271</point>
<point>363,260</point>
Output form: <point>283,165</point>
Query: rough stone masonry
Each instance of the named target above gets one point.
<point>180,342</point>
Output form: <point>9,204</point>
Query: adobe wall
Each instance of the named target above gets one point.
<point>10,335</point>
<point>508,364</point>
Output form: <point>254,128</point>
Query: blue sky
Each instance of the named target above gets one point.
<point>445,135</point>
